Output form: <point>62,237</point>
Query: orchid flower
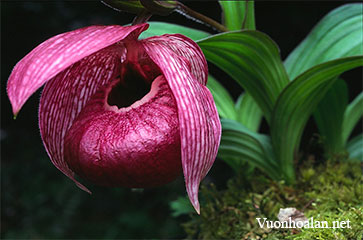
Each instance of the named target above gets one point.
<point>118,111</point>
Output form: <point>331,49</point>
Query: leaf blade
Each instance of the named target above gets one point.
<point>297,102</point>
<point>352,115</point>
<point>248,112</point>
<point>355,148</point>
<point>339,34</point>
<point>329,116</point>
<point>242,54</point>
<point>239,142</point>
<point>222,99</point>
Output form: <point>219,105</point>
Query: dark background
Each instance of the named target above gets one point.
<point>38,201</point>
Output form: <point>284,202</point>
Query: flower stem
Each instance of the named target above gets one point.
<point>189,13</point>
<point>142,17</point>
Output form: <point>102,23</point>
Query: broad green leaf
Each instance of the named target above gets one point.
<point>329,116</point>
<point>355,149</point>
<point>238,14</point>
<point>297,102</point>
<point>248,112</point>
<point>252,59</point>
<point>352,115</point>
<point>222,98</point>
<point>240,143</point>
<point>339,34</point>
<point>160,28</point>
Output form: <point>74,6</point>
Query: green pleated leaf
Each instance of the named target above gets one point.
<point>252,59</point>
<point>339,34</point>
<point>222,98</point>
<point>239,143</point>
<point>352,115</point>
<point>329,116</point>
<point>160,28</point>
<point>248,112</point>
<point>355,149</point>
<point>238,14</point>
<point>297,102</point>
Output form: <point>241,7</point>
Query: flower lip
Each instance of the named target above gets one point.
<point>139,147</point>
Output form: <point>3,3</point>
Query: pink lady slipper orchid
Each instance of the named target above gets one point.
<point>119,111</point>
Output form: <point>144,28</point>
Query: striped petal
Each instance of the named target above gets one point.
<point>58,53</point>
<point>65,96</point>
<point>188,49</point>
<point>200,128</point>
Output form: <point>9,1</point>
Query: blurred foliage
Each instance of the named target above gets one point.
<point>181,206</point>
<point>328,192</point>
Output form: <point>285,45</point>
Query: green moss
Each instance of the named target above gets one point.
<point>330,192</point>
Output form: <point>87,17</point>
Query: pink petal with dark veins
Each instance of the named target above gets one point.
<point>188,49</point>
<point>58,53</point>
<point>64,97</point>
<point>200,128</point>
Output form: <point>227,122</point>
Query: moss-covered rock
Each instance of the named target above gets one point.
<point>329,192</point>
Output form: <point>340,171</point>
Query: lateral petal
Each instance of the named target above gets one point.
<point>200,128</point>
<point>65,96</point>
<point>58,53</point>
<point>188,49</point>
